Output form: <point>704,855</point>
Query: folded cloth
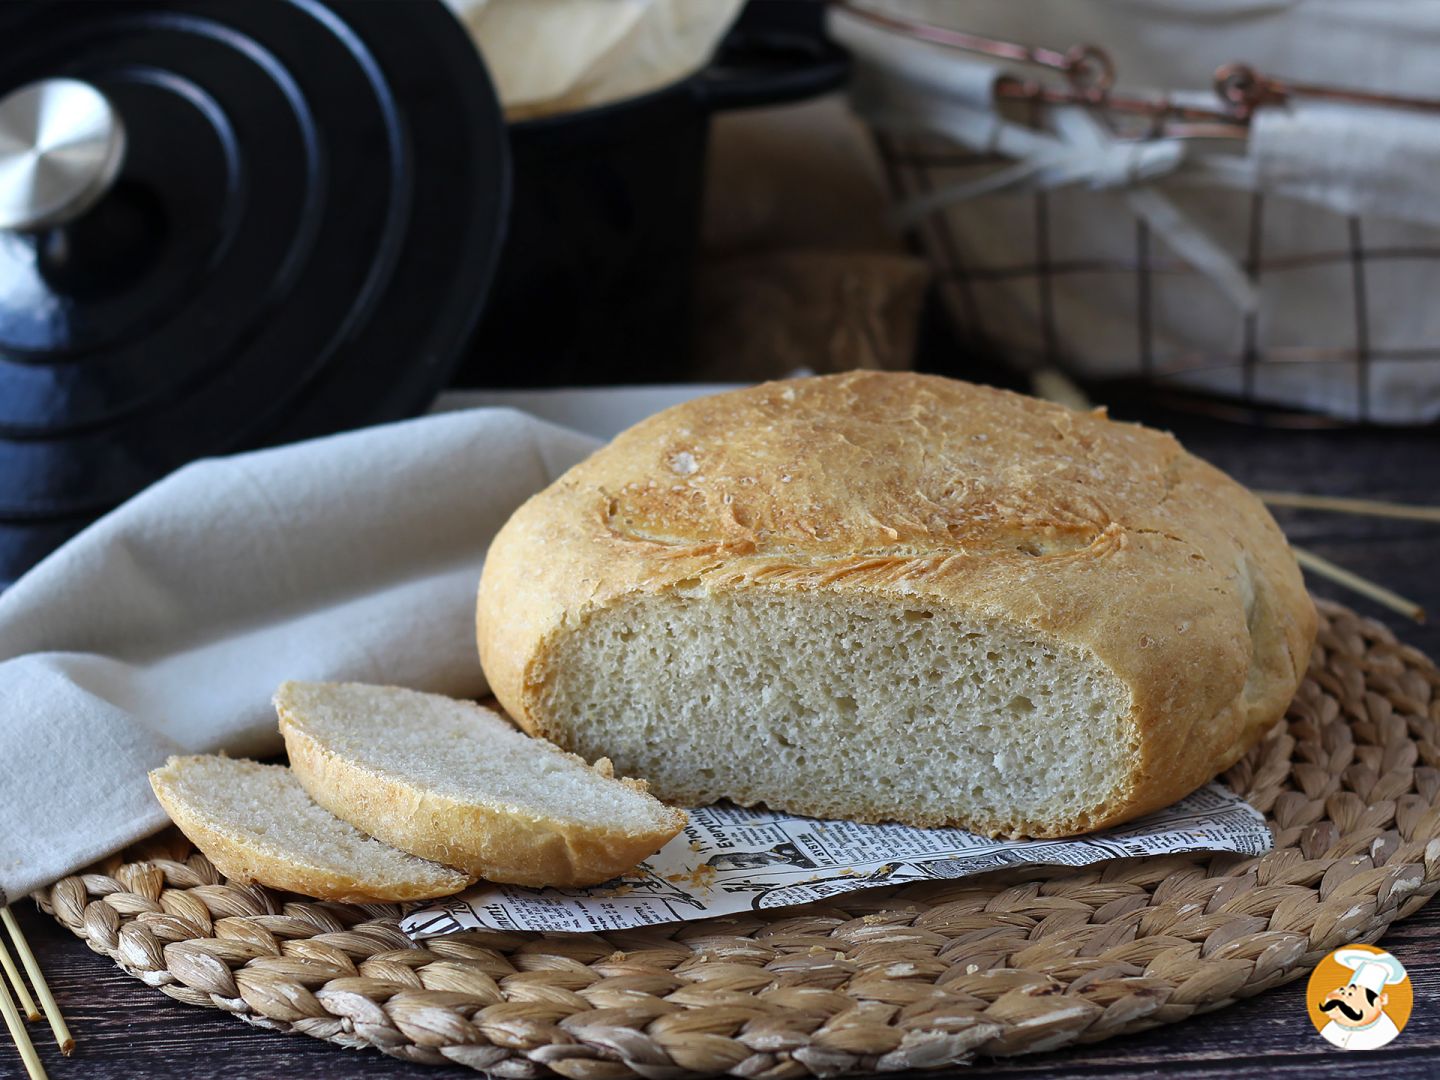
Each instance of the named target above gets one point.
<point>1353,159</point>
<point>166,626</point>
<point>557,56</point>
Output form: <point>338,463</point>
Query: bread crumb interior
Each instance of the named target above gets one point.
<point>738,693</point>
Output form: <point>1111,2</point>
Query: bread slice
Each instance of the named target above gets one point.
<point>457,783</point>
<point>893,596</point>
<point>256,824</point>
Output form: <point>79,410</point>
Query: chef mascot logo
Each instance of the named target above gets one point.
<point>1359,998</point>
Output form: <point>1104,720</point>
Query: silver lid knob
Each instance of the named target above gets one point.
<point>61,144</point>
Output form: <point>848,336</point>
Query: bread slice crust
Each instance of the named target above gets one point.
<point>498,841</point>
<point>242,857</point>
<point>918,490</point>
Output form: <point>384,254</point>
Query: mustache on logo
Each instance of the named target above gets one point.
<point>1336,1003</point>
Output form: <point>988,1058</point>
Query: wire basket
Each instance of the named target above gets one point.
<point>1134,237</point>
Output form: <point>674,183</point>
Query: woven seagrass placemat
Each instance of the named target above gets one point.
<point>909,977</point>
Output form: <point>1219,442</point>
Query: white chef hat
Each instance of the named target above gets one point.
<point>1373,971</point>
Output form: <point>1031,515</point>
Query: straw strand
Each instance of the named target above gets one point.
<point>1340,505</point>
<point>19,1034</point>
<point>37,978</point>
<point>1323,567</point>
<point>22,992</point>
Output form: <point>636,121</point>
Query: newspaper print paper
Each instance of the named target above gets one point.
<point>729,859</point>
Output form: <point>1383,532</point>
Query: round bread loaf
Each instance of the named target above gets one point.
<point>898,597</point>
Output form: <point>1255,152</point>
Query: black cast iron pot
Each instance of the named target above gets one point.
<point>594,279</point>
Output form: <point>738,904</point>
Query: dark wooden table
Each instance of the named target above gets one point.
<point>127,1031</point>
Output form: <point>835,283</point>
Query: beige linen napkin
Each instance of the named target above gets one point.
<point>166,626</point>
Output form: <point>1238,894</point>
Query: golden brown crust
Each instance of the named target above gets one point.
<point>500,844</point>
<point>241,861</point>
<point>998,506</point>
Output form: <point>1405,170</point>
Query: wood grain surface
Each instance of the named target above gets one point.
<point>126,1031</point>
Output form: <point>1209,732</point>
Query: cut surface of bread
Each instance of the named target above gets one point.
<point>896,596</point>
<point>256,824</point>
<point>946,709</point>
<point>455,782</point>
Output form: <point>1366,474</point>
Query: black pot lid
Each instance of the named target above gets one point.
<point>275,219</point>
